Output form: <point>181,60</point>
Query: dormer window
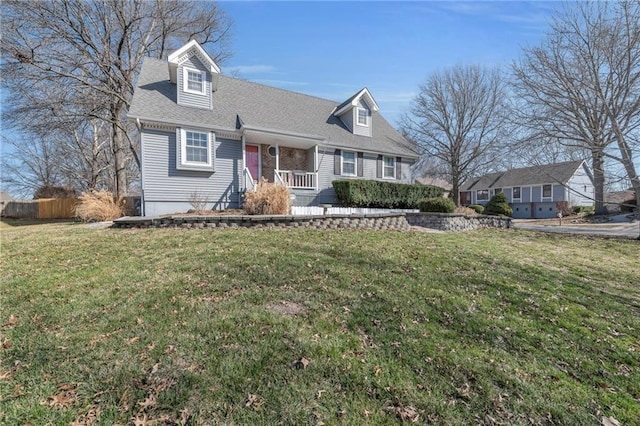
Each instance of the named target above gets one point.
<point>363,117</point>
<point>193,81</point>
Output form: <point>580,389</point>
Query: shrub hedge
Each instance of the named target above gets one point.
<point>478,208</point>
<point>380,194</point>
<point>437,205</point>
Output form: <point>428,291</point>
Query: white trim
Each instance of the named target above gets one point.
<point>513,199</point>
<point>366,118</point>
<point>482,199</point>
<point>185,52</point>
<point>384,157</point>
<point>183,148</point>
<point>185,80</point>
<point>542,197</point>
<point>355,163</point>
<point>354,102</point>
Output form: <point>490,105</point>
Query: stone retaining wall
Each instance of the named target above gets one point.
<point>456,222</point>
<point>394,221</point>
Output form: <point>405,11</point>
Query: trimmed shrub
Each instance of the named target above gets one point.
<point>478,208</point>
<point>267,198</point>
<point>437,205</point>
<point>498,205</point>
<point>380,194</point>
<point>99,206</point>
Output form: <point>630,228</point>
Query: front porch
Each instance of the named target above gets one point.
<point>293,167</point>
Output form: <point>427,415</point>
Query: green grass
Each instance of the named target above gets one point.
<point>103,326</point>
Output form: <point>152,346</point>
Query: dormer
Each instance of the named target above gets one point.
<point>356,113</point>
<point>195,75</point>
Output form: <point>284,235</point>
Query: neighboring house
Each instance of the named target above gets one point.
<point>213,137</point>
<point>534,191</point>
<point>425,180</point>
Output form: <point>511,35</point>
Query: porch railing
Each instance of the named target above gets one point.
<point>297,179</point>
<point>249,183</point>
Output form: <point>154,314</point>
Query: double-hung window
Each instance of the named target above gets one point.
<point>516,193</point>
<point>389,167</point>
<point>193,81</point>
<point>482,194</point>
<point>546,191</point>
<point>348,163</point>
<point>197,147</point>
<point>195,150</point>
<point>363,117</point>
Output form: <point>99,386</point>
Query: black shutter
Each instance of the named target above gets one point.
<point>379,167</point>
<point>336,162</point>
<point>360,164</point>
<point>398,167</point>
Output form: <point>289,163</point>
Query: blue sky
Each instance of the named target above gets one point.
<point>333,49</point>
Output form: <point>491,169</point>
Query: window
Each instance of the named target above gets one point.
<point>516,193</point>
<point>196,147</point>
<point>498,190</point>
<point>348,163</point>
<point>193,81</point>
<point>195,150</point>
<point>389,167</point>
<point>482,194</point>
<point>546,191</point>
<point>363,117</point>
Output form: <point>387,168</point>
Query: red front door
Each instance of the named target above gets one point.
<point>252,153</point>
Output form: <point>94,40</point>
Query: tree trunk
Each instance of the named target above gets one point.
<point>119,159</point>
<point>598,182</point>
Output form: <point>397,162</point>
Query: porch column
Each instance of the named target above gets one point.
<point>315,168</point>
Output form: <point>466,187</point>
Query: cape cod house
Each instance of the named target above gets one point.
<point>210,136</point>
<point>533,192</point>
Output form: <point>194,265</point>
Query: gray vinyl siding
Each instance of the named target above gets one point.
<point>358,129</point>
<point>163,183</point>
<point>558,193</point>
<point>536,193</point>
<point>507,193</point>
<point>194,99</point>
<point>347,119</point>
<point>525,193</point>
<point>521,210</point>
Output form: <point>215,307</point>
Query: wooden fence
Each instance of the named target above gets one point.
<point>53,208</point>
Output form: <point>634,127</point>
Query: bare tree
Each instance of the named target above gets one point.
<point>85,56</point>
<point>581,87</point>
<point>461,118</point>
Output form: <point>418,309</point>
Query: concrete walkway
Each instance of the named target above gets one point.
<point>618,226</point>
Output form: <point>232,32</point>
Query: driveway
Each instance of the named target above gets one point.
<point>618,226</point>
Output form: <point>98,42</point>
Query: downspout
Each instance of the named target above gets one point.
<point>142,209</point>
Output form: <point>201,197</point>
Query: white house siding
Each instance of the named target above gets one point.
<point>194,99</point>
<point>168,190</point>
<point>580,188</point>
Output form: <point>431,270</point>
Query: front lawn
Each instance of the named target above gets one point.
<point>103,326</point>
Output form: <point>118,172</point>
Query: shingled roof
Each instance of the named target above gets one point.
<point>258,106</point>
<point>534,175</point>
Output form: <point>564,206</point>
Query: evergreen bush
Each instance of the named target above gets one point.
<point>380,194</point>
<point>498,205</point>
<point>478,208</point>
<point>437,205</point>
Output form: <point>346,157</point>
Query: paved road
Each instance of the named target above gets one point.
<point>628,229</point>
